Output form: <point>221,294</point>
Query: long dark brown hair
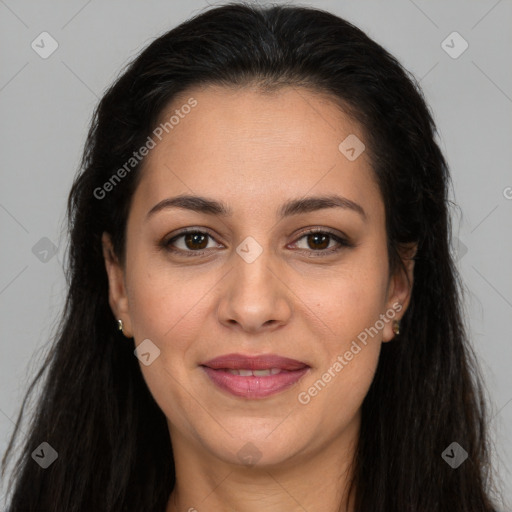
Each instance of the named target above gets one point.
<point>114,450</point>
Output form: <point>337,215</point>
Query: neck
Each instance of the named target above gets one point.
<point>313,482</point>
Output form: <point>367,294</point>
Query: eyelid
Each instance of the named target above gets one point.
<point>341,239</point>
<point>320,229</point>
<point>166,242</point>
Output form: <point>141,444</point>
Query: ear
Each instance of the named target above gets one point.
<point>400,288</point>
<point>116,286</point>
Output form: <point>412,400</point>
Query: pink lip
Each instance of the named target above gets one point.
<point>262,362</point>
<point>254,386</point>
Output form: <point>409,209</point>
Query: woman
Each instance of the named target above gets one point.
<point>261,219</point>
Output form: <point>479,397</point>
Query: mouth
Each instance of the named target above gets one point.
<point>254,377</point>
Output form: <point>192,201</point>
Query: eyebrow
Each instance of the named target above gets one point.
<point>299,206</point>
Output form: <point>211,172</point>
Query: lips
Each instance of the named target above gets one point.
<point>263,362</point>
<point>254,376</point>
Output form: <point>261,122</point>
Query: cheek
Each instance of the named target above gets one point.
<point>169,309</point>
<point>348,300</point>
<point>332,400</point>
<point>164,302</point>
<point>350,304</point>
<point>333,394</point>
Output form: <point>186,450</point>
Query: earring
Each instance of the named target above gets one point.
<point>396,327</point>
<point>120,325</point>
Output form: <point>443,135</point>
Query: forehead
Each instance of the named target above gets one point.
<point>241,143</point>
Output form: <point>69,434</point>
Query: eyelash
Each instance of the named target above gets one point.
<point>343,243</point>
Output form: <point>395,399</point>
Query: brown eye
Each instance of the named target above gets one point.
<point>196,240</point>
<point>321,243</point>
<point>195,243</point>
<point>189,243</point>
<point>318,240</point>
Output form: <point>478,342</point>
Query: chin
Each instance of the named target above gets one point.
<point>257,449</point>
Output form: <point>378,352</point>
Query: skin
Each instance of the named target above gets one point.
<point>253,152</point>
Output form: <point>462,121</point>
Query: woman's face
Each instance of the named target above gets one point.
<point>252,281</point>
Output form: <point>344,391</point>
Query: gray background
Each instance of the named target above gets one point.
<point>46,106</point>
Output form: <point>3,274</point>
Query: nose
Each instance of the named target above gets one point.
<point>254,296</point>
